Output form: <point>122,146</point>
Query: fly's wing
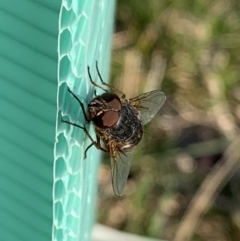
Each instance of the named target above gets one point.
<point>120,170</point>
<point>148,104</point>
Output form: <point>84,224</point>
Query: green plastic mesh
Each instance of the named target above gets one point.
<point>85,33</point>
<point>28,86</point>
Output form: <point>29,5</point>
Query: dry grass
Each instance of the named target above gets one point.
<point>184,181</point>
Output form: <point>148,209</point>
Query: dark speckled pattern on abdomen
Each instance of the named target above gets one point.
<point>129,128</point>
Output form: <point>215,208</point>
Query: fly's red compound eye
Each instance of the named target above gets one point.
<point>104,110</point>
<point>106,119</point>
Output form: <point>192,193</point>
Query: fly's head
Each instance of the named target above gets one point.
<point>104,110</point>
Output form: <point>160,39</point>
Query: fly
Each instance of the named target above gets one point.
<point>118,125</point>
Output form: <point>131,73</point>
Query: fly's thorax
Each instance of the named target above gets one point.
<point>129,128</point>
<point>104,110</point>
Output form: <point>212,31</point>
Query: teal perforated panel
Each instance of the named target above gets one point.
<point>85,33</point>
<point>28,94</point>
<point>28,87</point>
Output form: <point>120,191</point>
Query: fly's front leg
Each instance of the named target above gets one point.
<point>80,103</point>
<point>119,92</point>
<point>122,95</point>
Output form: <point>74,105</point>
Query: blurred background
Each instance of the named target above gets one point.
<point>184,180</point>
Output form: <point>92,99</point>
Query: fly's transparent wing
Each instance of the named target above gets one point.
<point>148,104</point>
<point>120,170</point>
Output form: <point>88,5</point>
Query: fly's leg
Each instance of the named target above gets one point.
<point>92,82</point>
<point>122,95</point>
<point>95,92</point>
<point>80,103</point>
<point>85,152</point>
<point>108,85</point>
<point>95,143</point>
